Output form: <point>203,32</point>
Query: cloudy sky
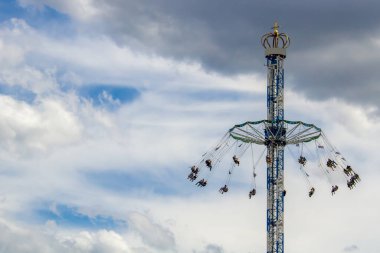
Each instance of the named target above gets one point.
<point>104,105</point>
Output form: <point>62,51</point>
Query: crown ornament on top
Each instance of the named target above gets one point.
<point>275,39</point>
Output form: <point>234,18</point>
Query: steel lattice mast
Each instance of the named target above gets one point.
<point>275,56</point>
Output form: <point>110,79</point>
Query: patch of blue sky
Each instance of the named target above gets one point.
<point>108,96</point>
<point>10,9</point>
<point>45,18</point>
<point>69,216</point>
<point>166,183</point>
<point>18,93</point>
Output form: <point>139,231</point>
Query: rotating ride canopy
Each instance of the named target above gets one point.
<point>263,133</point>
<point>314,150</point>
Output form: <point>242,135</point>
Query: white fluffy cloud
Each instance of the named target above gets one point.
<point>42,126</point>
<point>22,240</point>
<point>100,241</point>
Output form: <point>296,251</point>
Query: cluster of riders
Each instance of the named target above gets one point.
<point>193,174</point>
<point>203,182</point>
<point>354,178</point>
<point>348,171</point>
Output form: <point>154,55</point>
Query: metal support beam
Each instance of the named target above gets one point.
<point>275,165</point>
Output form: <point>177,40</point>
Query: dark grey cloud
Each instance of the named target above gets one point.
<point>211,248</point>
<point>224,37</point>
<point>351,248</point>
<point>325,59</point>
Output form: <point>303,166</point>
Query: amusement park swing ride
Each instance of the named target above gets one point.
<point>272,136</point>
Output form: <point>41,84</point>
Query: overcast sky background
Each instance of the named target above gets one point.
<point>104,105</point>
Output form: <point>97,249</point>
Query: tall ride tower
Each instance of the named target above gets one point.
<point>275,45</point>
<point>274,134</point>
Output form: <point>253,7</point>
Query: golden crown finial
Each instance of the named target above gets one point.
<point>275,39</point>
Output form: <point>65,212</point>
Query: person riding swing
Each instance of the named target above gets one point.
<point>252,193</point>
<point>302,160</point>
<point>223,189</point>
<point>236,160</point>
<point>201,183</point>
<point>334,188</point>
<point>208,164</point>
<point>311,192</point>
